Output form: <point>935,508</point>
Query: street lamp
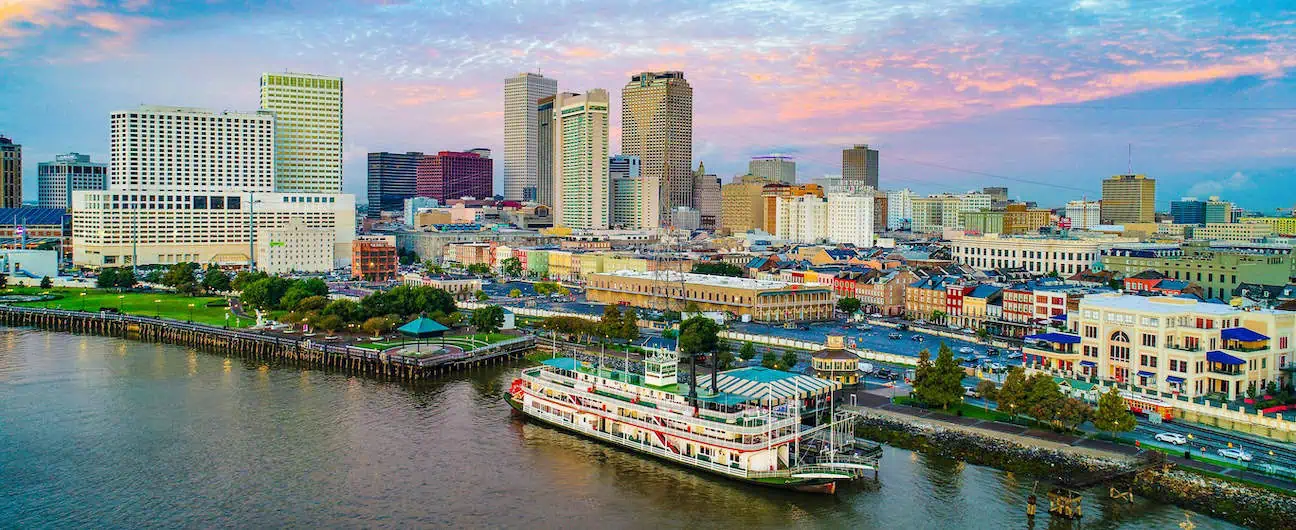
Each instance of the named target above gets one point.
<point>191,313</point>
<point>157,311</point>
<point>82,307</point>
<point>121,298</point>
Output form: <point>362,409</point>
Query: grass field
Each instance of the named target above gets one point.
<point>167,305</point>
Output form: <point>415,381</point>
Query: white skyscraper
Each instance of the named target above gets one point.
<point>1083,214</point>
<point>850,218</point>
<point>581,190</point>
<point>521,139</point>
<point>899,208</point>
<point>187,149</point>
<point>632,197</point>
<point>802,218</point>
<point>308,135</point>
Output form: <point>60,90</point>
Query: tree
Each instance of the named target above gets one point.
<point>244,278</point>
<point>769,360</point>
<point>988,392</point>
<point>719,269</point>
<point>154,276</point>
<point>259,294</point>
<point>481,296</point>
<point>1113,415</point>
<point>480,269</point>
<point>922,375</point>
<point>180,273</point>
<point>983,334</point>
<point>1012,395</point>
<point>788,360</point>
<point>747,352</point>
<point>724,359</point>
<point>488,319</point>
<point>610,322</point>
<point>378,325</point>
<point>328,323</point>
<point>347,310</point>
<point>698,335</point>
<point>937,315</point>
<point>563,291</point>
<point>293,296</point>
<point>310,303</point>
<point>943,384</point>
<point>45,283</point>
<point>545,288</point>
<point>629,325</point>
<point>1073,412</point>
<point>1251,391</point>
<point>126,279</point>
<point>1043,398</point>
<point>515,293</point>
<point>511,267</point>
<point>107,278</point>
<point>216,280</point>
<point>848,305</point>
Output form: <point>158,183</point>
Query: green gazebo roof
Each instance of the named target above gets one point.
<point>422,327</point>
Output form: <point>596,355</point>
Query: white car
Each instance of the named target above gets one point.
<point>1235,453</point>
<point>1171,438</point>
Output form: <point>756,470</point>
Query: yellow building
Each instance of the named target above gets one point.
<point>741,205</point>
<point>1283,226</point>
<point>761,300</point>
<point>836,364</point>
<point>1018,219</point>
<point>1128,199</point>
<point>771,194</point>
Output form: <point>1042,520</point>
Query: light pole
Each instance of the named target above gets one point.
<point>157,309</point>
<point>82,306</point>
<point>121,299</point>
<point>191,313</point>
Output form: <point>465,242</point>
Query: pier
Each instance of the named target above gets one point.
<point>297,351</point>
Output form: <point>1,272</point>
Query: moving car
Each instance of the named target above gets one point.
<point>887,374</point>
<point>966,349</point>
<point>1171,438</point>
<point>1235,453</point>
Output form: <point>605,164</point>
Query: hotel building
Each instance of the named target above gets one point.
<point>761,300</point>
<point>580,177</point>
<point>1039,255</point>
<point>68,173</point>
<point>308,131</point>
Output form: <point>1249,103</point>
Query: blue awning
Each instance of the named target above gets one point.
<point>1061,317</point>
<point>1060,338</point>
<point>1174,379</point>
<point>1217,356</point>
<point>1145,373</point>
<point>1242,334</point>
<point>1088,363</point>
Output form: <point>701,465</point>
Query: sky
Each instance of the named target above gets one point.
<point>1044,97</point>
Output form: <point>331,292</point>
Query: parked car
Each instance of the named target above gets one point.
<point>970,392</point>
<point>887,374</point>
<point>1235,453</point>
<point>1171,438</point>
<point>996,367</point>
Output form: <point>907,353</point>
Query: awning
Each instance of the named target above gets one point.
<point>1088,363</point>
<point>1145,373</point>
<point>1174,379</point>
<point>1060,338</point>
<point>1061,317</point>
<point>1217,356</point>
<point>1242,334</point>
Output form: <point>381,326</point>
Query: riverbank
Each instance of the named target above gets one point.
<point>1238,503</point>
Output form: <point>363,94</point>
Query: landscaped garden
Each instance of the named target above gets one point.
<point>202,309</point>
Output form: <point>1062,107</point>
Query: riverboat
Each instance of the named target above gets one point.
<point>753,433</point>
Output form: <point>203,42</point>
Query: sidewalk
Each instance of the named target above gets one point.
<point>867,400</point>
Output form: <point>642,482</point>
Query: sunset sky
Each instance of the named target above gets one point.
<point>1041,96</point>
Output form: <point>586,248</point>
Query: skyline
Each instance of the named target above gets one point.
<point>1200,94</point>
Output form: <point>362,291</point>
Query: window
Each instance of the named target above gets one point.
<point>1120,353</point>
<point>1120,336</point>
<point>1091,332</point>
<point>1149,340</point>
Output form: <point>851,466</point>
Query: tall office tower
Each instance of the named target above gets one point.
<point>775,168</point>
<point>1188,211</point>
<point>1217,211</point>
<point>706,198</point>
<point>1083,214</point>
<point>1128,199</point>
<point>67,173</point>
<point>899,208</point>
<point>632,198</point>
<point>580,156</point>
<point>392,178</point>
<point>453,175</point>
<point>657,127</point>
<point>522,94</point>
<point>10,173</point>
<point>192,185</point>
<point>860,166</point>
<point>308,131</point>
<point>543,192</point>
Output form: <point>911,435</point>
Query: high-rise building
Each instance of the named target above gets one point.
<point>706,197</point>
<point>633,198</point>
<point>1083,214</point>
<point>657,127</point>
<point>775,168</point>
<point>454,175</point>
<point>860,166</point>
<point>802,218</point>
<point>229,150</point>
<point>935,213</point>
<point>308,131</point>
<point>1128,199</point>
<point>773,192</point>
<point>1217,211</point>
<point>742,206</point>
<point>1188,211</point>
<point>522,135</point>
<point>851,216</point>
<point>1019,219</point>
<point>392,178</point>
<point>543,192</point>
<point>880,207</point>
<point>580,191</point>
<point>67,173</point>
<point>10,173</point>
<point>975,202</point>
<point>899,208</point>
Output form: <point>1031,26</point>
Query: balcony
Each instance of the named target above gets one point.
<point>1226,370</point>
<point>1183,347</point>
<point>1062,349</point>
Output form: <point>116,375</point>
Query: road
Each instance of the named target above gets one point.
<point>1263,452</point>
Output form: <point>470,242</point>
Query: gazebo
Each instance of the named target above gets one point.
<point>421,328</point>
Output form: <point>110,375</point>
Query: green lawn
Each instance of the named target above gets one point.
<point>168,305</point>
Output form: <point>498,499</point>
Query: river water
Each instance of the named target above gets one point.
<point>107,433</point>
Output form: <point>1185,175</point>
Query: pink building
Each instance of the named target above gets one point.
<point>451,175</point>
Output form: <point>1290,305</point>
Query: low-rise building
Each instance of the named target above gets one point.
<point>1233,232</point>
<point>1218,270</point>
<point>1283,226</point>
<point>373,258</point>
<point>760,300</point>
<point>925,298</point>
<point>1038,254</point>
<point>836,364</point>
<point>295,247</point>
<point>458,286</point>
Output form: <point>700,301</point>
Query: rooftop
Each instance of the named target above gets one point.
<point>1153,304</point>
<point>707,279</point>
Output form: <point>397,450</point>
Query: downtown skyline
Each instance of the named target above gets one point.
<point>1203,96</point>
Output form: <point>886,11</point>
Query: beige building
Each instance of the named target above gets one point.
<point>761,300</point>
<point>308,131</point>
<point>1128,199</point>
<point>1018,219</point>
<point>1040,255</point>
<point>742,206</point>
<point>1169,344</point>
<point>295,247</point>
<point>657,127</point>
<point>1232,232</point>
<point>935,213</point>
<point>580,176</point>
<point>522,141</point>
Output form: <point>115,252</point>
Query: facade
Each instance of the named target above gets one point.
<point>67,173</point>
<point>935,213</point>
<point>453,175</point>
<point>1218,272</point>
<point>295,247</point>
<point>30,263</point>
<point>373,258</point>
<point>860,166</point>
<point>742,207</point>
<point>884,293</point>
<point>975,202</point>
<point>772,193</point>
<point>522,135</point>
<point>850,218</point>
<point>774,168</point>
<point>803,218</point>
<point>10,173</point>
<point>308,131</point>
<point>459,287</point>
<point>1084,214</point>
<point>834,363</point>
<point>706,197</point>
<point>543,192</point>
<point>899,208</point>
<point>147,142</point>
<point>925,298</point>
<point>1018,219</point>
<point>879,211</point>
<point>392,178</point>
<point>1128,199</point>
<point>657,127</point>
<point>1169,344</point>
<point>762,300</point>
<point>1232,232</point>
<point>1188,211</point>
<point>983,222</point>
<point>580,175</point>
<point>1283,226</point>
<point>26,227</point>
<point>685,218</point>
<point>998,194</point>
<point>1039,255</point>
<point>633,199</point>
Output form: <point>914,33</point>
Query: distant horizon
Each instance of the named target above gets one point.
<point>954,95</point>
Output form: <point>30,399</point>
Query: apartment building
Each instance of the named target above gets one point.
<point>1037,254</point>
<point>760,300</point>
<point>1217,269</point>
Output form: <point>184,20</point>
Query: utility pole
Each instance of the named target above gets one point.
<point>251,232</point>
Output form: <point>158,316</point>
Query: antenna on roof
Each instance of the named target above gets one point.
<point>1129,158</point>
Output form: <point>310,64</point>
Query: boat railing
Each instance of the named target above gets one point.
<point>739,416</point>
<point>805,468</point>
